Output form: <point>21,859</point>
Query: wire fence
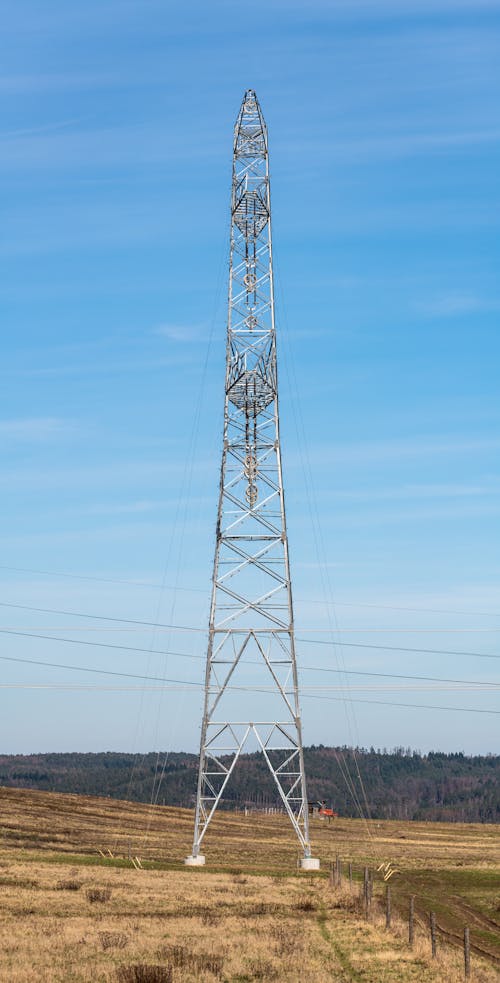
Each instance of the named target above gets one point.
<point>382,900</point>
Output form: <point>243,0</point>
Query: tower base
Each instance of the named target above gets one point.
<point>198,861</point>
<point>309,863</point>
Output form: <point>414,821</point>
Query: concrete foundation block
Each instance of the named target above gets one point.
<point>198,861</point>
<point>309,863</point>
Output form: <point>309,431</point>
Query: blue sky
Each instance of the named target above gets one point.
<point>116,129</point>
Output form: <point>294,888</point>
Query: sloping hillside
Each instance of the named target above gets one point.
<point>398,784</point>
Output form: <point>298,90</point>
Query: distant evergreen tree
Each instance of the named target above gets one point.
<point>399,784</point>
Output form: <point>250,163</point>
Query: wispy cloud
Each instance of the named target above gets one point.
<point>456,304</point>
<point>63,124</point>
<point>93,370</point>
<point>111,473</point>
<point>186,333</point>
<point>419,492</point>
<point>382,7</point>
<point>443,511</point>
<point>398,448</point>
<point>45,81</point>
<point>127,508</point>
<point>408,144</point>
<point>35,428</point>
<point>394,144</point>
<point>104,146</point>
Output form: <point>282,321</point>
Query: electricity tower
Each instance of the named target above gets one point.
<point>251,687</point>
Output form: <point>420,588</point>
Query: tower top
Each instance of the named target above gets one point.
<point>250,100</point>
<point>250,131</point>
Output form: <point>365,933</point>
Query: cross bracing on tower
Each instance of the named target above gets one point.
<point>251,613</point>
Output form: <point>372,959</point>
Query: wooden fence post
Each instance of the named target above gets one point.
<point>467,952</point>
<point>388,907</point>
<point>366,890</point>
<point>433,933</point>
<point>339,872</point>
<point>411,921</point>
<point>332,876</point>
<point>350,877</point>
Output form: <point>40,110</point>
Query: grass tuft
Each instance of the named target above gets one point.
<point>113,940</point>
<point>144,973</point>
<point>180,957</point>
<point>306,904</point>
<point>99,894</point>
<point>262,969</point>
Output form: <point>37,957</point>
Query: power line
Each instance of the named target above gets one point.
<point>138,625</point>
<point>85,641</point>
<point>135,648</point>
<point>410,706</point>
<point>90,687</point>
<point>311,696</point>
<point>351,672</point>
<point>185,687</point>
<point>400,607</point>
<point>100,580</point>
<point>100,672</point>
<point>93,617</point>
<point>400,648</point>
<point>326,631</point>
<point>201,590</point>
<point>308,690</point>
<point>396,675</point>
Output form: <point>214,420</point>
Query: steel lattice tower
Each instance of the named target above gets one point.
<point>251,631</point>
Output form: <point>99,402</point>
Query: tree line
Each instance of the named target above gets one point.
<point>390,784</point>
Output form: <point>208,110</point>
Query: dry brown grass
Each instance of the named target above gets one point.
<point>267,929</point>
<point>68,915</point>
<point>85,824</point>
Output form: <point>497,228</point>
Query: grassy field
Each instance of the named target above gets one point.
<point>67,913</point>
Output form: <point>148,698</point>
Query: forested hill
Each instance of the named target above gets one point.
<point>400,784</point>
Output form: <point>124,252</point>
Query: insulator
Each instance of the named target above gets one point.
<point>250,467</point>
<point>251,495</point>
